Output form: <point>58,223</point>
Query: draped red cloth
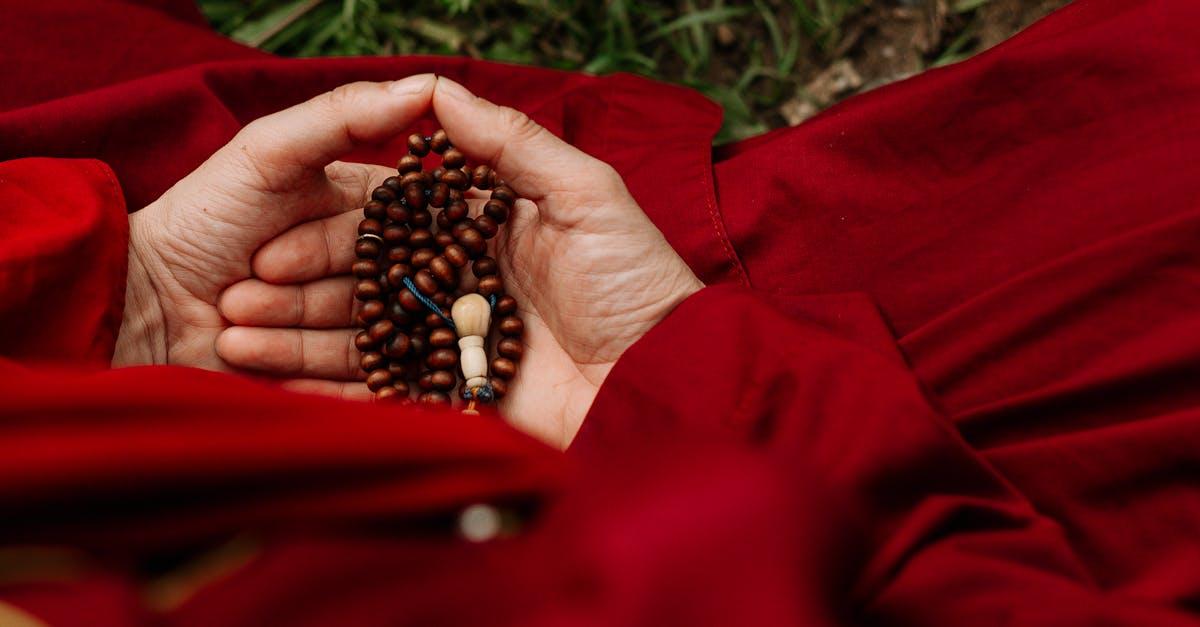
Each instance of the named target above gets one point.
<point>947,371</point>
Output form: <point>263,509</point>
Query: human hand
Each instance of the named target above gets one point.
<point>201,236</point>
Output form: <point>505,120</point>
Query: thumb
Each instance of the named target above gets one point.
<point>531,159</point>
<point>307,137</point>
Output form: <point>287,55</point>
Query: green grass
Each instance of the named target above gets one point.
<point>677,42</point>
<point>750,56</point>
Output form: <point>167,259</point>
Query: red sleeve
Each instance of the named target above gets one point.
<point>922,530</point>
<point>63,254</point>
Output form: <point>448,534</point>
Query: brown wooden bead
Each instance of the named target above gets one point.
<point>371,310</point>
<point>455,179</point>
<point>421,258</point>
<point>506,306</point>
<point>375,210</point>
<point>363,341</point>
<point>392,183</point>
<point>511,348</point>
<point>396,313</point>
<point>443,222</point>
<point>399,254</point>
<point>399,371</point>
<point>415,177</point>
<point>505,194</point>
<point>420,237</point>
<point>417,145</point>
<point>443,271</point>
<point>443,380</point>
<point>484,266</point>
<point>439,194</point>
<point>434,398</point>
<point>439,142</point>
<point>425,381</point>
<point>367,249</point>
<point>414,195</point>
<point>442,299</point>
<point>486,226</point>
<point>499,387</point>
<point>401,388</point>
<point>437,173</point>
<point>496,210</point>
<point>442,239</point>
<point>396,274</point>
<point>396,234</point>
<point>408,301</point>
<point>397,212</point>
<point>418,344</point>
<point>398,346</point>
<point>434,321</point>
<point>504,368</point>
<point>481,176</point>
<point>442,359</point>
<point>389,395</point>
<point>511,326</point>
<point>367,289</point>
<point>379,379</point>
<point>457,228</point>
<point>420,217</point>
<point>489,285</point>
<point>443,338</point>
<point>456,194</point>
<point>383,194</point>
<point>457,210</point>
<point>453,158</point>
<point>371,361</point>
<point>381,330</point>
<point>365,268</point>
<point>408,163</point>
<point>473,241</point>
<point>456,255</point>
<point>425,282</point>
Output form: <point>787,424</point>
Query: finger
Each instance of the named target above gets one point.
<point>350,391</point>
<point>313,133</point>
<point>322,304</point>
<point>354,183</point>
<point>530,158</point>
<point>309,251</point>
<point>326,354</point>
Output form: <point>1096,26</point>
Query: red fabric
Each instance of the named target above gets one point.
<point>963,392</point>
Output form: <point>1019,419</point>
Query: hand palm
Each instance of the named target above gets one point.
<point>590,282</point>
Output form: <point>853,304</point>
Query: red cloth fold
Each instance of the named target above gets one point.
<point>962,391</point>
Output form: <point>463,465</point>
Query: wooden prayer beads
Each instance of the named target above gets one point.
<point>420,327</point>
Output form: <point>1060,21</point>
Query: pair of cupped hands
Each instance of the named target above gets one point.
<point>244,264</point>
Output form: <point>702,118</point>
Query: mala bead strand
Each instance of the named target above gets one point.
<point>419,328</point>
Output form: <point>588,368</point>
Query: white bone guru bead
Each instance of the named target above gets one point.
<point>472,314</point>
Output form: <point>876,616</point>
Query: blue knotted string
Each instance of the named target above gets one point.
<point>428,303</point>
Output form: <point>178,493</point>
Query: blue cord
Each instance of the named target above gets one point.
<point>428,303</point>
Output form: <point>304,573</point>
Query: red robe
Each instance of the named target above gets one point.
<point>947,371</point>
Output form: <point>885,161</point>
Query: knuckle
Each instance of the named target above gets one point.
<point>342,96</point>
<point>519,125</point>
<point>607,175</point>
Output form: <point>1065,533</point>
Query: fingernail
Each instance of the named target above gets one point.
<point>411,85</point>
<point>453,90</point>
